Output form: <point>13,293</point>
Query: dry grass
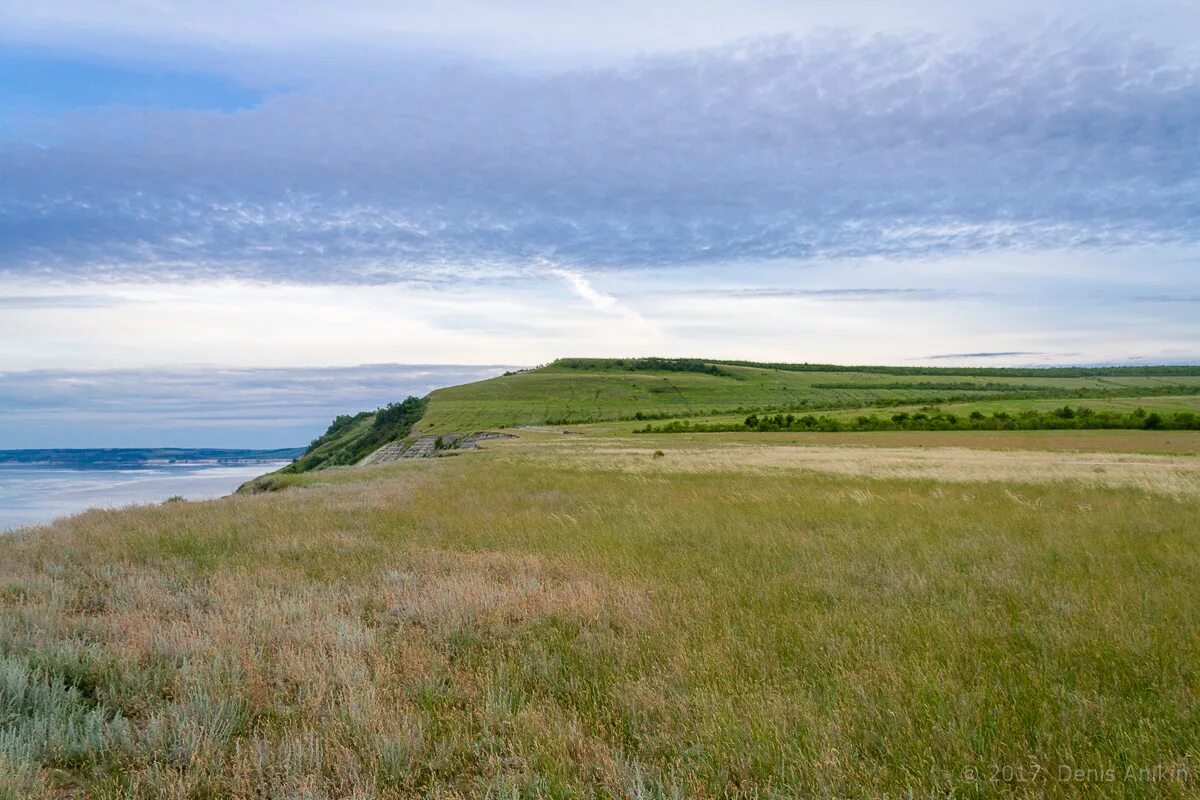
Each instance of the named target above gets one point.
<point>1097,441</point>
<point>516,623</point>
<point>463,592</point>
<point>1177,475</point>
<point>1084,441</point>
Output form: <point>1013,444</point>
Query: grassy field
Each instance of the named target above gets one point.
<point>1093,441</point>
<point>1159,403</point>
<point>558,393</point>
<point>577,616</point>
<point>1165,404</point>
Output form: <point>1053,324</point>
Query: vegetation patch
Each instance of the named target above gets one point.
<point>585,391</point>
<point>1064,418</point>
<point>1010,372</point>
<point>650,364</point>
<point>349,439</point>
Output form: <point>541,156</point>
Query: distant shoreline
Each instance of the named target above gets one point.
<point>37,493</point>
<point>108,458</point>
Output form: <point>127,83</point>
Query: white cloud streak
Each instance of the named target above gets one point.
<point>584,289</point>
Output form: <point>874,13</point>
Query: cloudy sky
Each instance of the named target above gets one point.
<point>211,217</point>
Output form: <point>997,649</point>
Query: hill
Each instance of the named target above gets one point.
<point>579,391</point>
<point>575,391</point>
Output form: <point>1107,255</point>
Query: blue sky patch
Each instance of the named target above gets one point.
<point>37,83</point>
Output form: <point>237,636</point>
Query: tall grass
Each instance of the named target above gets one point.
<point>508,625</point>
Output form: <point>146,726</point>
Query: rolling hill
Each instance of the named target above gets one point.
<point>585,391</point>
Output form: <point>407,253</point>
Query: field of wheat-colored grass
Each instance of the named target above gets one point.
<point>867,456</point>
<point>578,617</point>
<point>1078,441</point>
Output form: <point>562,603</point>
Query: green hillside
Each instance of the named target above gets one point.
<point>582,391</point>
<point>577,391</point>
<point>350,438</point>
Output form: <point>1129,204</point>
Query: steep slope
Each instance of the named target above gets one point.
<point>349,439</point>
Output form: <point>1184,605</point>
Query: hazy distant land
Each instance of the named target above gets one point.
<point>136,456</point>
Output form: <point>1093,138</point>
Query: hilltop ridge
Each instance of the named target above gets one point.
<point>579,391</point>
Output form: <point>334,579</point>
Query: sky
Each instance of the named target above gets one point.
<point>223,223</point>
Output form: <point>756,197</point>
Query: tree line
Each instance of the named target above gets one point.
<point>1064,418</point>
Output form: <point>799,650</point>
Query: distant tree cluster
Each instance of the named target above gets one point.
<point>403,413</point>
<point>1064,418</point>
<point>651,364</point>
<point>1033,393</point>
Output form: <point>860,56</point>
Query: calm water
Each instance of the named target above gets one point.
<point>30,495</point>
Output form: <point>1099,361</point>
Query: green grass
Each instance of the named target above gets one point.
<point>595,391</point>
<point>1161,404</point>
<point>568,617</point>
<point>588,391</point>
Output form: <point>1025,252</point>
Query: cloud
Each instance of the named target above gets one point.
<point>62,301</point>
<point>997,354</point>
<point>826,146</point>
<point>521,29</point>
<point>584,289</point>
<point>849,295</point>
